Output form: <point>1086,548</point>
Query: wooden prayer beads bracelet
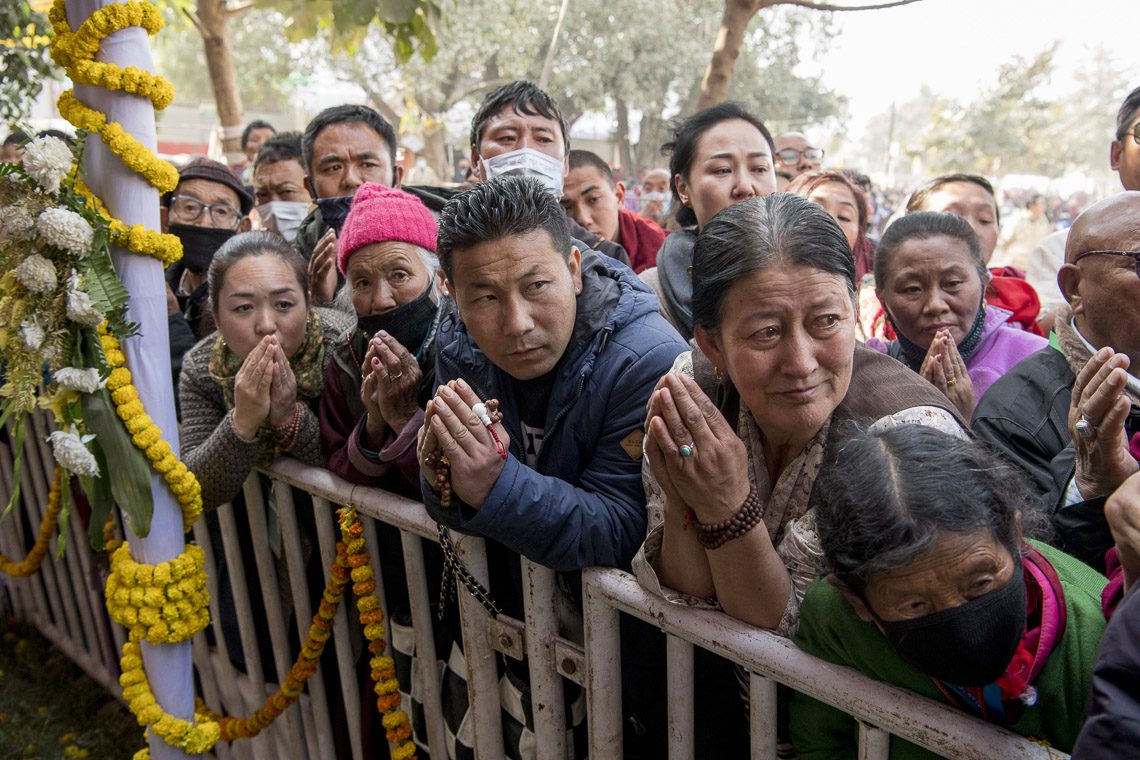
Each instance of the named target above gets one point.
<point>438,461</point>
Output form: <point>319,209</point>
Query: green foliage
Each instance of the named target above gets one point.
<point>408,23</point>
<point>24,59</point>
<point>268,68</point>
<point>611,55</point>
<point>1019,124</point>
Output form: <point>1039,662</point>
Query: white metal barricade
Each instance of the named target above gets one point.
<point>64,601</point>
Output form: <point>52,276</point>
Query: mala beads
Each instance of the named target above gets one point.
<point>437,460</point>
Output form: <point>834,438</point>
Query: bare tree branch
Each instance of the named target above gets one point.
<point>829,7</point>
<point>548,64</point>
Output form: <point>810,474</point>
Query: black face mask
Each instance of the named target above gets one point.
<point>199,244</point>
<point>335,210</point>
<point>968,645</point>
<point>409,324</point>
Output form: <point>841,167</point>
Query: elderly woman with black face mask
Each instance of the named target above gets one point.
<point>381,372</point>
<point>934,587</point>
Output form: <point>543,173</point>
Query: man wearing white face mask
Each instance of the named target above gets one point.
<point>519,131</point>
<point>279,188</point>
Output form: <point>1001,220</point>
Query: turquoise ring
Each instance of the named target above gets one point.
<point>687,451</point>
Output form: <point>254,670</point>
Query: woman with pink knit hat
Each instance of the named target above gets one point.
<point>380,375</point>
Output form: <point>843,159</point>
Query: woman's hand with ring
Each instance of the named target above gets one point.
<point>946,370</point>
<point>398,399</point>
<point>713,480</point>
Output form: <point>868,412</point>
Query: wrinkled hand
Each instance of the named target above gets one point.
<point>1123,512</point>
<point>402,377</point>
<point>461,435</point>
<point>283,390</point>
<point>252,388</point>
<point>946,371</point>
<point>322,270</point>
<point>1103,461</point>
<point>714,480</point>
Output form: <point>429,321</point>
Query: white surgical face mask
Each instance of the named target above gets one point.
<point>526,162</point>
<point>283,217</point>
<point>665,198</point>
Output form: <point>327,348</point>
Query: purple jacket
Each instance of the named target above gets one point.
<point>1001,347</point>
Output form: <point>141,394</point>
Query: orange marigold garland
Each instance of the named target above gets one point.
<point>387,688</point>
<point>304,666</point>
<point>31,563</point>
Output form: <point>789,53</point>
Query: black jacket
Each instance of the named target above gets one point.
<point>1112,717</point>
<point>1025,415</point>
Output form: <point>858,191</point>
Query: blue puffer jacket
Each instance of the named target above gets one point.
<point>585,504</point>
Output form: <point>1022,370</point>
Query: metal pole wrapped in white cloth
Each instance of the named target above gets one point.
<point>132,199</point>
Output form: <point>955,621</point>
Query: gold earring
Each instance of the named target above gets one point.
<point>717,373</point>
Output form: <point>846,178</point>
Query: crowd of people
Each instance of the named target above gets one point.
<point>886,447</point>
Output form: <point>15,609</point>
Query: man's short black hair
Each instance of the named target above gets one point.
<point>523,97</point>
<point>1127,113</point>
<point>346,115</point>
<point>282,147</point>
<point>255,124</point>
<point>500,208</point>
<point>580,158</point>
<point>17,137</point>
<point>58,134</point>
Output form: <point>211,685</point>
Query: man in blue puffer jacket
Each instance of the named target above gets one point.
<point>571,344</point>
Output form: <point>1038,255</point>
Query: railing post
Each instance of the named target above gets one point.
<point>682,718</point>
<point>603,671</point>
<point>547,699</point>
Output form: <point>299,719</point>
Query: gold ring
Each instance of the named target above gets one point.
<point>951,381</point>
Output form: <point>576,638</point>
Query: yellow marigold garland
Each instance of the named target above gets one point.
<point>163,603</point>
<point>76,51</point>
<point>31,563</point>
<point>146,435</point>
<point>192,738</point>
<point>135,238</point>
<point>133,154</point>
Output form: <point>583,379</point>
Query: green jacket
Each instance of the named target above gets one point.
<point>831,630</point>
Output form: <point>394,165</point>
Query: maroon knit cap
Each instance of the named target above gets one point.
<point>212,171</point>
<point>380,214</point>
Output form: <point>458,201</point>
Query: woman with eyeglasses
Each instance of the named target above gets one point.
<point>795,155</point>
<point>719,156</point>
<point>930,277</point>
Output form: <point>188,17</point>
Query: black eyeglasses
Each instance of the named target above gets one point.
<point>1135,132</point>
<point>1134,255</point>
<point>791,155</point>
<point>189,209</point>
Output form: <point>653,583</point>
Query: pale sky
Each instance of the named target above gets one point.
<point>956,46</point>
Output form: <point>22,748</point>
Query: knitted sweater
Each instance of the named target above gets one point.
<point>211,446</point>
<point>830,629</point>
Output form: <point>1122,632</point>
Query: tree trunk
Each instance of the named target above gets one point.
<point>729,41</point>
<point>212,20</point>
<point>625,153</point>
<point>435,150</point>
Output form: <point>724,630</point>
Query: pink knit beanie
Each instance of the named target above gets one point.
<point>379,214</point>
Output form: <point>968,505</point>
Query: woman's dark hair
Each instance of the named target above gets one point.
<point>249,244</point>
<point>923,225</point>
<point>881,499</point>
<point>806,184</point>
<point>921,196</point>
<point>682,149</point>
<point>752,235</point>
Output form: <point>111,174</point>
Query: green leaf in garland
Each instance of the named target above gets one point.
<point>130,474</point>
<point>98,492</point>
<point>65,505</point>
<point>107,291</point>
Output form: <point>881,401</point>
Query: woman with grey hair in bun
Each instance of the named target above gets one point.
<point>737,432</point>
<point>934,587</point>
